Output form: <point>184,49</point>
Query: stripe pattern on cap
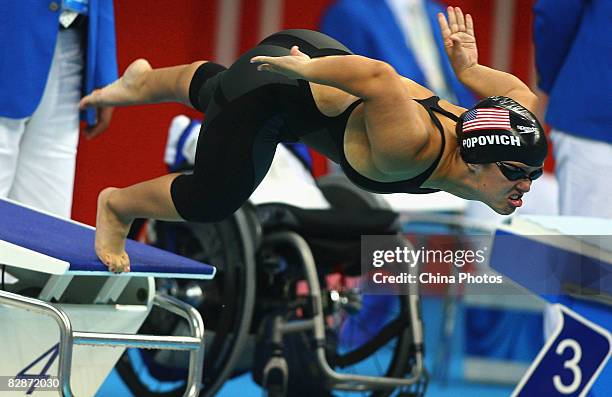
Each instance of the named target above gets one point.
<point>487,119</point>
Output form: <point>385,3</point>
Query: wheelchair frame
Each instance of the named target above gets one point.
<point>317,326</point>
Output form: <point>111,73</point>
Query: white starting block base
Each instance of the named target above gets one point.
<point>27,336</point>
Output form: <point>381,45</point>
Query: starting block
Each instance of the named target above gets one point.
<point>74,305</point>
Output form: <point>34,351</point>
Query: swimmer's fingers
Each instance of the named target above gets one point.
<point>291,62</point>
<point>296,56</point>
<point>285,71</point>
<point>452,20</point>
<point>267,67</point>
<point>270,64</point>
<point>460,19</point>
<point>469,25</point>
<point>289,66</point>
<point>265,60</point>
<point>459,39</point>
<point>445,30</point>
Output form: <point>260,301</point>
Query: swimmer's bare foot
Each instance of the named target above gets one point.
<point>126,90</point>
<point>111,233</point>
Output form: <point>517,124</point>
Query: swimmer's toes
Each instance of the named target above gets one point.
<point>125,262</point>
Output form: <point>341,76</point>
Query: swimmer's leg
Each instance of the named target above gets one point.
<point>141,84</point>
<point>117,209</point>
<point>234,151</point>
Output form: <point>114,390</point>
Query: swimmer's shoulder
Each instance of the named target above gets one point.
<point>420,92</point>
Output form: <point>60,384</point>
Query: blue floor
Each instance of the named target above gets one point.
<point>432,315</point>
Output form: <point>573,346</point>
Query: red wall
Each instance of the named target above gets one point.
<point>131,150</point>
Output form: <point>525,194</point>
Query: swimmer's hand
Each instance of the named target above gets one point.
<point>459,39</point>
<point>128,90</point>
<point>292,66</point>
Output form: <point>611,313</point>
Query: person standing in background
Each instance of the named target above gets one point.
<point>402,33</point>
<point>573,57</point>
<point>52,53</point>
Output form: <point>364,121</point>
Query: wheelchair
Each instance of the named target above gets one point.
<point>287,304</point>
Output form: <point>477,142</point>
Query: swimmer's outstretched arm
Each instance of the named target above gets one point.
<point>141,84</point>
<point>460,44</point>
<point>358,75</point>
<point>397,132</point>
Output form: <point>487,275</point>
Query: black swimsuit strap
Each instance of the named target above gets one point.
<point>431,105</point>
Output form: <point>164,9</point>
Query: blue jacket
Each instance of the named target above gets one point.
<point>29,31</point>
<point>574,64</point>
<point>369,28</point>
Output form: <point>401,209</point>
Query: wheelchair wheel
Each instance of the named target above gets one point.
<point>222,302</point>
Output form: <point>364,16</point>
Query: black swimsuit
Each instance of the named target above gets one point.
<point>412,185</point>
<point>249,112</point>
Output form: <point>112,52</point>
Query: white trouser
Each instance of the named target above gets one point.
<point>584,171</point>
<point>38,153</point>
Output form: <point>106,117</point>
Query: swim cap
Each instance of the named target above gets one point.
<point>499,129</point>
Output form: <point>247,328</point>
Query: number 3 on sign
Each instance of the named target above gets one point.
<point>570,361</point>
<point>571,364</point>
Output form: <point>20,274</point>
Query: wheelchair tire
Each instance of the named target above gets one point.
<point>224,305</point>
